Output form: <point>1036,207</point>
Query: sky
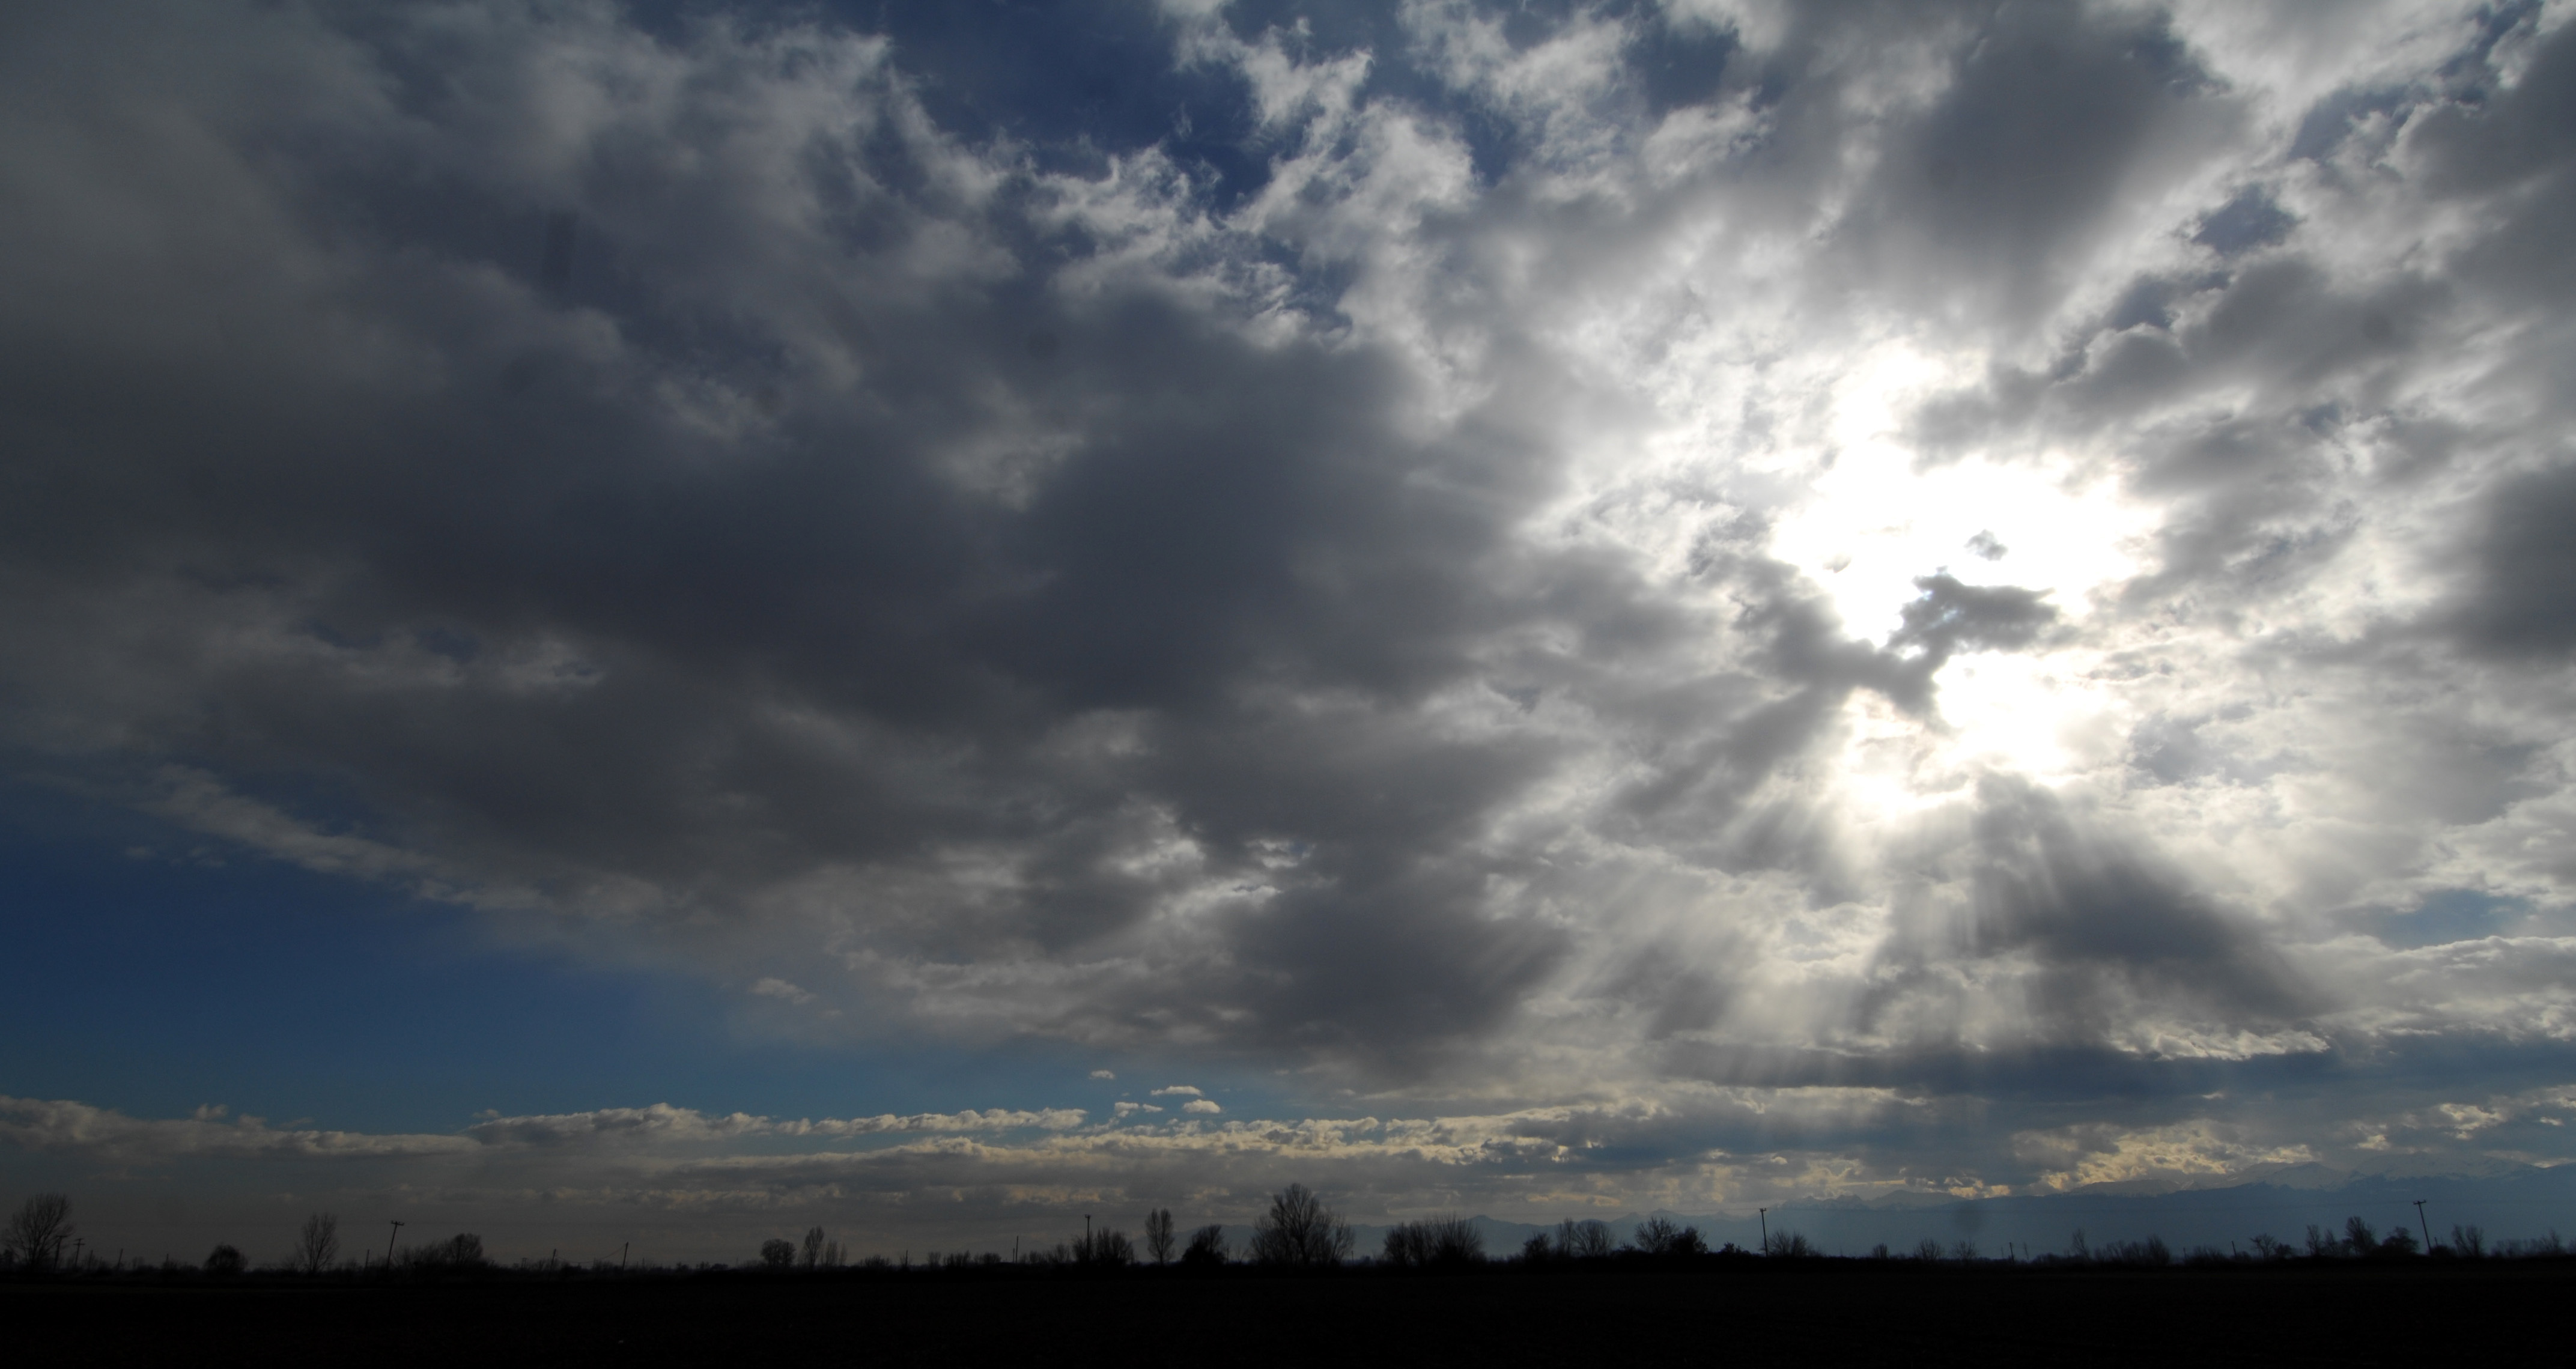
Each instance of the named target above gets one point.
<point>666,622</point>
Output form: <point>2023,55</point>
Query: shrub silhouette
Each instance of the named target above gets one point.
<point>2468,1242</point>
<point>1791,1245</point>
<point>2147,1254</point>
<point>1107,1247</point>
<point>39,1230</point>
<point>1435,1241</point>
<point>1663,1238</point>
<point>1299,1232</point>
<point>1583,1240</point>
<point>1207,1248</point>
<point>223,1262</point>
<point>462,1251</point>
<point>1928,1250</point>
<point>317,1244</point>
<point>776,1254</point>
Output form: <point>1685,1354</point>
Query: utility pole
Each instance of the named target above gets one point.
<point>621,1256</point>
<point>1765,1214</point>
<point>2426,1226</point>
<point>389,1244</point>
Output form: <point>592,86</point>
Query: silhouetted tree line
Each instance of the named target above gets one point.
<point>1298,1231</point>
<point>41,1238</point>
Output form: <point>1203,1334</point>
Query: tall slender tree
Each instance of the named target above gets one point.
<point>317,1244</point>
<point>39,1230</point>
<point>1300,1232</point>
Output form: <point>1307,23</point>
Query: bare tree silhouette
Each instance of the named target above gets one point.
<point>812,1254</point>
<point>1158,1234</point>
<point>317,1244</point>
<point>1789,1245</point>
<point>2150,1253</point>
<point>1583,1240</point>
<point>1664,1238</point>
<point>1300,1232</point>
<point>777,1254</point>
<point>1434,1241</point>
<point>1105,1247</point>
<point>464,1250</point>
<point>39,1229</point>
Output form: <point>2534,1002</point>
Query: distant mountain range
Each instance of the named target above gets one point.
<point>2512,1203</point>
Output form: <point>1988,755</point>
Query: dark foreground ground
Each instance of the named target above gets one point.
<point>1899,1315</point>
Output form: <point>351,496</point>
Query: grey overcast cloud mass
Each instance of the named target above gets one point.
<point>1632,605</point>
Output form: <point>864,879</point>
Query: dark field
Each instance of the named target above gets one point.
<point>1835,1314</point>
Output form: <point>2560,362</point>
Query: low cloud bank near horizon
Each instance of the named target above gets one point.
<point>977,1179</point>
<point>1751,599</point>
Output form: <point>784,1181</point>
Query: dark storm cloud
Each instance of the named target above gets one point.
<point>2523,586</point>
<point>1953,617</point>
<point>626,601</point>
<point>1988,203</point>
<point>2094,915</point>
<point>1266,532</point>
<point>2248,221</point>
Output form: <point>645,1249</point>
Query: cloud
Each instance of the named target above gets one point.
<point>700,1187</point>
<point>663,1123</point>
<point>1523,569</point>
<point>1183,1090</point>
<point>1201,1105</point>
<point>2511,608</point>
<point>108,1135</point>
